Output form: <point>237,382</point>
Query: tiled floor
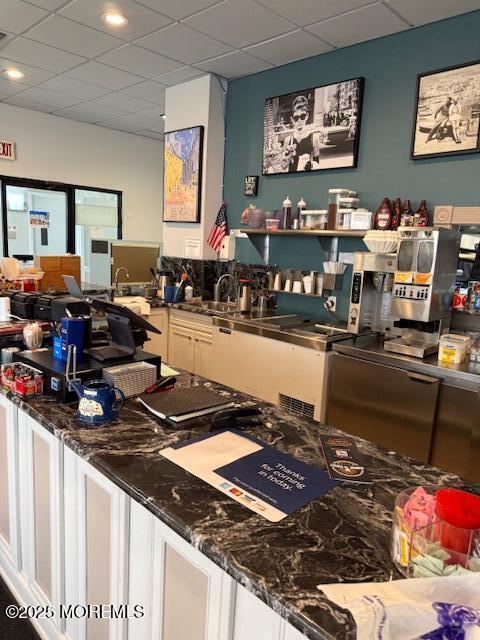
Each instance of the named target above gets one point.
<point>13,629</point>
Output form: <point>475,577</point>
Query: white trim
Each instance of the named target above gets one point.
<point>10,550</point>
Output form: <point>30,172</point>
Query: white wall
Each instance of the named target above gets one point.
<point>53,148</point>
<point>195,103</point>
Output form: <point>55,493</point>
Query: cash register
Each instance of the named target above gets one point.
<point>128,333</point>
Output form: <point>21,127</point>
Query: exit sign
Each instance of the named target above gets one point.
<point>7,150</point>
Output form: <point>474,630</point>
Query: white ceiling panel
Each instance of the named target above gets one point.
<point>141,20</point>
<point>74,88</point>
<point>240,22</point>
<point>124,102</point>
<point>150,134</point>
<point>10,87</point>
<point>179,9</point>
<point>73,37</point>
<point>48,98</point>
<point>418,12</point>
<point>373,21</point>
<point>288,48</point>
<point>17,16</point>
<point>303,12</point>
<point>134,122</point>
<point>50,5</point>
<point>181,75</point>
<point>147,90</point>
<point>103,76</point>
<point>234,65</point>
<point>26,103</point>
<point>182,43</point>
<point>90,112</point>
<point>41,55</point>
<point>156,113</point>
<point>140,61</point>
<point>33,75</point>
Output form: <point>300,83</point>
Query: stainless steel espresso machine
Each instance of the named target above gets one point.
<point>371,293</point>
<point>423,288</point>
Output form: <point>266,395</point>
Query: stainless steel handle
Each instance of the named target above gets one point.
<point>420,377</point>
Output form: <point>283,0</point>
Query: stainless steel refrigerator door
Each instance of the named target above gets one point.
<point>456,442</point>
<point>392,407</point>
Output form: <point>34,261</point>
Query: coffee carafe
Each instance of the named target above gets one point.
<point>244,297</point>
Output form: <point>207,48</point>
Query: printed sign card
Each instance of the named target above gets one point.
<point>267,481</point>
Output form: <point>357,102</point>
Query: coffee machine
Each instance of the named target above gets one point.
<point>423,288</point>
<point>371,293</point>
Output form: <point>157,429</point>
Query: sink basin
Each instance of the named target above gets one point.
<point>218,306</point>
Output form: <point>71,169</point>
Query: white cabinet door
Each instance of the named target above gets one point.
<point>185,595</point>
<point>181,352</point>
<point>9,512</point>
<point>254,619</point>
<point>96,519</point>
<point>158,343</point>
<point>203,344</point>
<point>41,493</point>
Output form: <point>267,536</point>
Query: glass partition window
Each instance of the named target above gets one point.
<point>96,222</point>
<point>36,221</point>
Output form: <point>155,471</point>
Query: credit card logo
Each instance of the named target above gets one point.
<point>235,492</point>
<point>225,485</point>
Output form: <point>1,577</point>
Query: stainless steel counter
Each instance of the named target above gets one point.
<point>299,330</point>
<point>370,347</point>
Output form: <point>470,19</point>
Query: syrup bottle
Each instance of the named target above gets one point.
<point>421,216</point>
<point>286,221</point>
<point>396,214</point>
<point>383,216</point>
<point>407,215</point>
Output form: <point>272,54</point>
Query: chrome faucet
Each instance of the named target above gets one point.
<point>217,289</point>
<point>116,277</point>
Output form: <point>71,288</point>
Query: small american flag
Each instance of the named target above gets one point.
<point>219,229</point>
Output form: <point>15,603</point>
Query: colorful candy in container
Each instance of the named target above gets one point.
<point>436,532</point>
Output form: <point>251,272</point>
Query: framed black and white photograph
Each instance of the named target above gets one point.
<point>447,110</point>
<point>251,186</point>
<point>313,129</point>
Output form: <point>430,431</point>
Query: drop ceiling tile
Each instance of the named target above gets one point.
<point>304,12</point>
<point>103,76</point>
<point>150,134</point>
<point>141,20</point>
<point>73,37</point>
<point>6,39</point>
<point>180,8</point>
<point>240,23</point>
<point>156,113</point>
<point>418,13</point>
<point>140,61</point>
<point>234,65</point>
<point>288,48</point>
<point>48,98</point>
<point>41,55</point>
<point>32,74</point>
<point>123,101</point>
<point>26,103</point>
<point>181,75</point>
<point>51,5</point>
<point>90,112</point>
<point>17,16</point>
<point>74,88</point>
<point>373,21</point>
<point>11,87</point>
<point>147,90</point>
<point>133,122</point>
<point>182,43</point>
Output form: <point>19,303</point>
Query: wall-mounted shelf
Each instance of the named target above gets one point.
<point>260,238</point>
<point>336,233</point>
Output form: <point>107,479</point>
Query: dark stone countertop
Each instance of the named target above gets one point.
<point>341,537</point>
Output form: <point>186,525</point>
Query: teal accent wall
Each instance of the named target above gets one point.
<point>390,66</point>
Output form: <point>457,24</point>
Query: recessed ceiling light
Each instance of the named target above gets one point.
<point>13,74</point>
<point>114,19</point>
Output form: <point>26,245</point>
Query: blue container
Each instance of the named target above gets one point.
<point>72,331</point>
<point>57,347</point>
<point>169,293</point>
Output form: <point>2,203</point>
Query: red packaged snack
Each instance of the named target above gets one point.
<point>461,510</point>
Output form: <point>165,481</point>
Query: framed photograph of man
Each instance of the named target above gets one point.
<point>313,129</point>
<point>447,111</point>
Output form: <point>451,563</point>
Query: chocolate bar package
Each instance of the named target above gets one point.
<point>343,459</point>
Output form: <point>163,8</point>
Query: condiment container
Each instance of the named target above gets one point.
<point>256,218</point>
<point>344,217</point>
<point>453,348</point>
<point>286,221</point>
<point>333,196</point>
<point>313,219</point>
<point>272,224</point>
<point>347,202</point>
